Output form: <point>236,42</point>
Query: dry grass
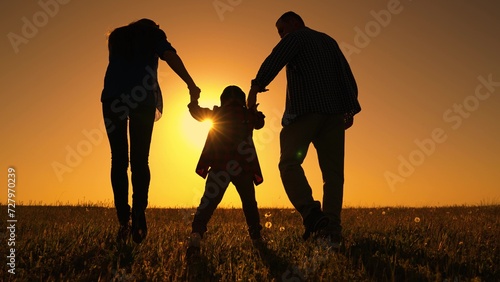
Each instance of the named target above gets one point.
<point>381,244</point>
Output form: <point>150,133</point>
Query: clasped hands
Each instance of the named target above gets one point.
<point>194,93</point>
<point>252,96</point>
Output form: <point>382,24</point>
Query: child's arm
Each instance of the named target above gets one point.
<point>198,112</point>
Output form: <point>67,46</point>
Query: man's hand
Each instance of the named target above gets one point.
<point>348,122</point>
<point>252,96</point>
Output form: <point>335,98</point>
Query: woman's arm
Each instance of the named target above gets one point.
<point>176,64</point>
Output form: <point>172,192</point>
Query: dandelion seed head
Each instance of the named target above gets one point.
<point>268,214</point>
<point>383,213</point>
<point>268,224</point>
<point>370,213</point>
<point>282,228</point>
<point>417,219</point>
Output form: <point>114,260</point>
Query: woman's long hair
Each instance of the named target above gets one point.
<point>134,40</point>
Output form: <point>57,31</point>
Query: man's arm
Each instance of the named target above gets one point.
<point>252,96</point>
<point>176,64</point>
<point>282,53</point>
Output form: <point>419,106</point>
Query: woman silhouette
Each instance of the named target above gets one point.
<point>132,101</point>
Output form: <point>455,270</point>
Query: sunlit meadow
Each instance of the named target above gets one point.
<point>77,243</point>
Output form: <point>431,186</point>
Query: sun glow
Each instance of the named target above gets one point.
<point>195,132</point>
<point>208,123</point>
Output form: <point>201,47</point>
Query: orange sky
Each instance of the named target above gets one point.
<point>428,75</point>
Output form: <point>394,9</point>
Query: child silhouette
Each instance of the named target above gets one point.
<point>229,155</point>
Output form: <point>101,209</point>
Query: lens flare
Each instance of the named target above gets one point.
<point>208,123</point>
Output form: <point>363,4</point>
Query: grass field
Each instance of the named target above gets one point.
<point>68,243</point>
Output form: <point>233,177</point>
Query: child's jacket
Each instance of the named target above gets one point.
<point>229,146</point>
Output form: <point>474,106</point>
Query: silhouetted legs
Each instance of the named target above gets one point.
<point>215,187</point>
<point>329,145</point>
<point>116,129</point>
<point>139,122</point>
<point>326,132</point>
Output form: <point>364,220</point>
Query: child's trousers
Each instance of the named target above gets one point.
<point>215,187</point>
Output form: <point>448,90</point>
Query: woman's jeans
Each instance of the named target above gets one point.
<point>122,115</point>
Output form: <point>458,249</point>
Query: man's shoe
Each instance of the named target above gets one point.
<point>254,232</point>
<point>315,222</point>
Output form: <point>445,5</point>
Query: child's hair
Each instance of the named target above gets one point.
<point>232,92</point>
<point>147,22</point>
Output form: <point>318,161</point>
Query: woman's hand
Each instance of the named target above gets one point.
<point>194,92</point>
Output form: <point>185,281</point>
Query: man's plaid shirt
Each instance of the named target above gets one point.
<point>319,79</point>
<point>229,146</point>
